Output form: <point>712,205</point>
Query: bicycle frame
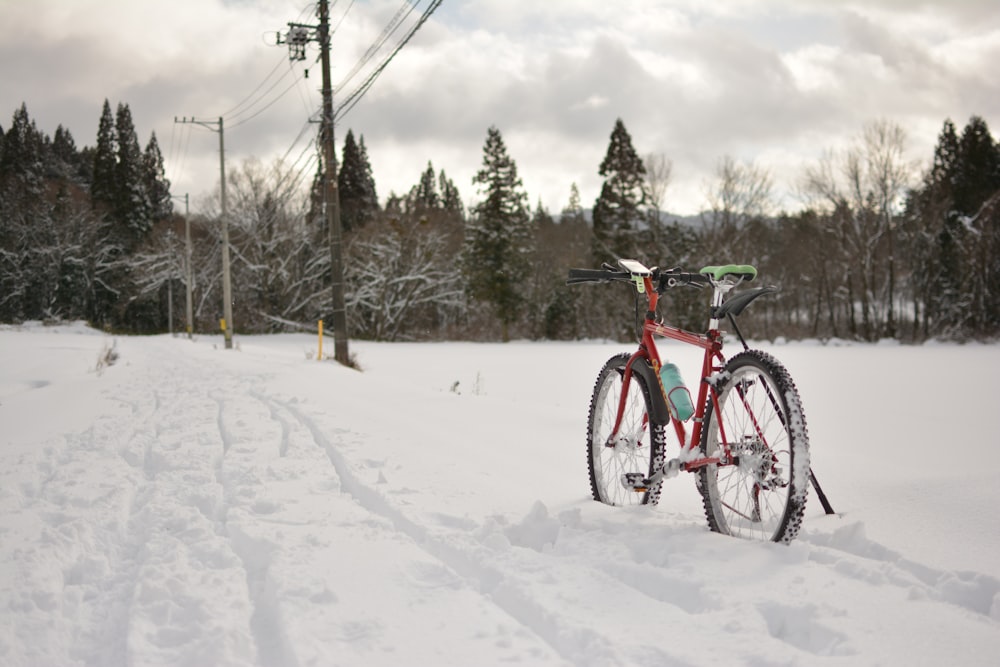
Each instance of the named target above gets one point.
<point>711,381</point>
<point>712,362</point>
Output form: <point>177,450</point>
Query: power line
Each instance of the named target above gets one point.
<point>401,15</point>
<point>267,106</point>
<point>260,85</point>
<point>352,99</point>
<point>346,12</point>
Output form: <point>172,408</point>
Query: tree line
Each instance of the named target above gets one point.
<point>881,249</point>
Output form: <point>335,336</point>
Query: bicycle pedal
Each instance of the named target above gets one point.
<point>635,481</point>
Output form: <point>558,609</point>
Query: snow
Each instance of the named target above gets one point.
<point>191,505</point>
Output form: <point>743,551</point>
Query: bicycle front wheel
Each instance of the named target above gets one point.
<point>758,489</point>
<point>638,446</point>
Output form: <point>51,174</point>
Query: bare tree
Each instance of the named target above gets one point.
<point>401,280</point>
<point>861,190</point>
<point>742,193</point>
<point>659,170</point>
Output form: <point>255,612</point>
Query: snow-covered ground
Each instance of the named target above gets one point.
<point>191,505</point>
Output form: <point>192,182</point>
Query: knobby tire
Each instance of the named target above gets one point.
<point>641,450</point>
<point>759,493</point>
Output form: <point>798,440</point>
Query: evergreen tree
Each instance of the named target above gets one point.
<point>22,155</point>
<point>358,201</point>
<point>423,198</point>
<point>64,154</point>
<point>156,184</point>
<point>25,226</point>
<point>103,189</point>
<point>132,207</point>
<point>936,240</point>
<point>573,211</point>
<point>317,214</point>
<point>618,210</point>
<point>451,200</point>
<point>977,167</point>
<point>498,235</point>
<point>977,183</point>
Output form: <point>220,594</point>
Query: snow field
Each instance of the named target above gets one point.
<point>196,506</point>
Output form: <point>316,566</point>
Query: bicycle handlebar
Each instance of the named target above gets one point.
<point>605,275</point>
<point>663,279</point>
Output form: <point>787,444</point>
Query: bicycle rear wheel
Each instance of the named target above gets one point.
<point>758,490</point>
<point>638,447</point>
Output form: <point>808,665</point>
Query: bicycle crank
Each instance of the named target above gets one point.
<point>639,483</point>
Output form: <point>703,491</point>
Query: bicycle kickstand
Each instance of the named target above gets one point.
<point>827,507</point>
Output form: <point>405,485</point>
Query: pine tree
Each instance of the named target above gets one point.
<point>25,225</point>
<point>618,210</point>
<point>573,210</point>
<point>132,207</point>
<point>423,198</point>
<point>977,184</point>
<point>451,200</point>
<point>356,186</point>
<point>498,236</point>
<point>977,167</point>
<point>64,154</point>
<point>103,189</point>
<point>317,215</point>
<point>155,180</point>
<point>22,154</point>
<point>937,238</point>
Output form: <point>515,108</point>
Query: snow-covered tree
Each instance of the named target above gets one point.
<point>401,282</point>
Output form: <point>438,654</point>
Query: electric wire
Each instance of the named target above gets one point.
<point>254,91</point>
<point>267,106</point>
<point>302,96</point>
<point>346,12</point>
<point>401,15</point>
<point>347,104</point>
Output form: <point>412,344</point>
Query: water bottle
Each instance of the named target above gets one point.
<point>678,396</point>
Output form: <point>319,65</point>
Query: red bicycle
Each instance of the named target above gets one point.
<point>748,445</point>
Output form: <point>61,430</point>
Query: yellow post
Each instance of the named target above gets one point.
<point>222,325</point>
<point>320,354</point>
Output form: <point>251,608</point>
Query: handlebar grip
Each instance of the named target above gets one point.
<point>577,276</point>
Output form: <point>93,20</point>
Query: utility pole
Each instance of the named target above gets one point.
<point>189,273</point>
<point>297,37</point>
<point>227,291</point>
<point>189,311</point>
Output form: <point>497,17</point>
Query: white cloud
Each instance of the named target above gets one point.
<point>770,80</point>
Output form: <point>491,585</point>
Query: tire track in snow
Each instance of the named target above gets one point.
<point>575,645</point>
<point>267,624</point>
<point>175,529</point>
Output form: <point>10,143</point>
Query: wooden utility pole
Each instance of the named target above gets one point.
<point>227,290</point>
<point>332,194</point>
<point>188,308</point>
<point>298,36</point>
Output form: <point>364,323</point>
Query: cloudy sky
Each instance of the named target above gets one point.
<point>776,82</point>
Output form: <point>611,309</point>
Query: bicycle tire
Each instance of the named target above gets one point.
<point>760,493</point>
<point>640,451</point>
